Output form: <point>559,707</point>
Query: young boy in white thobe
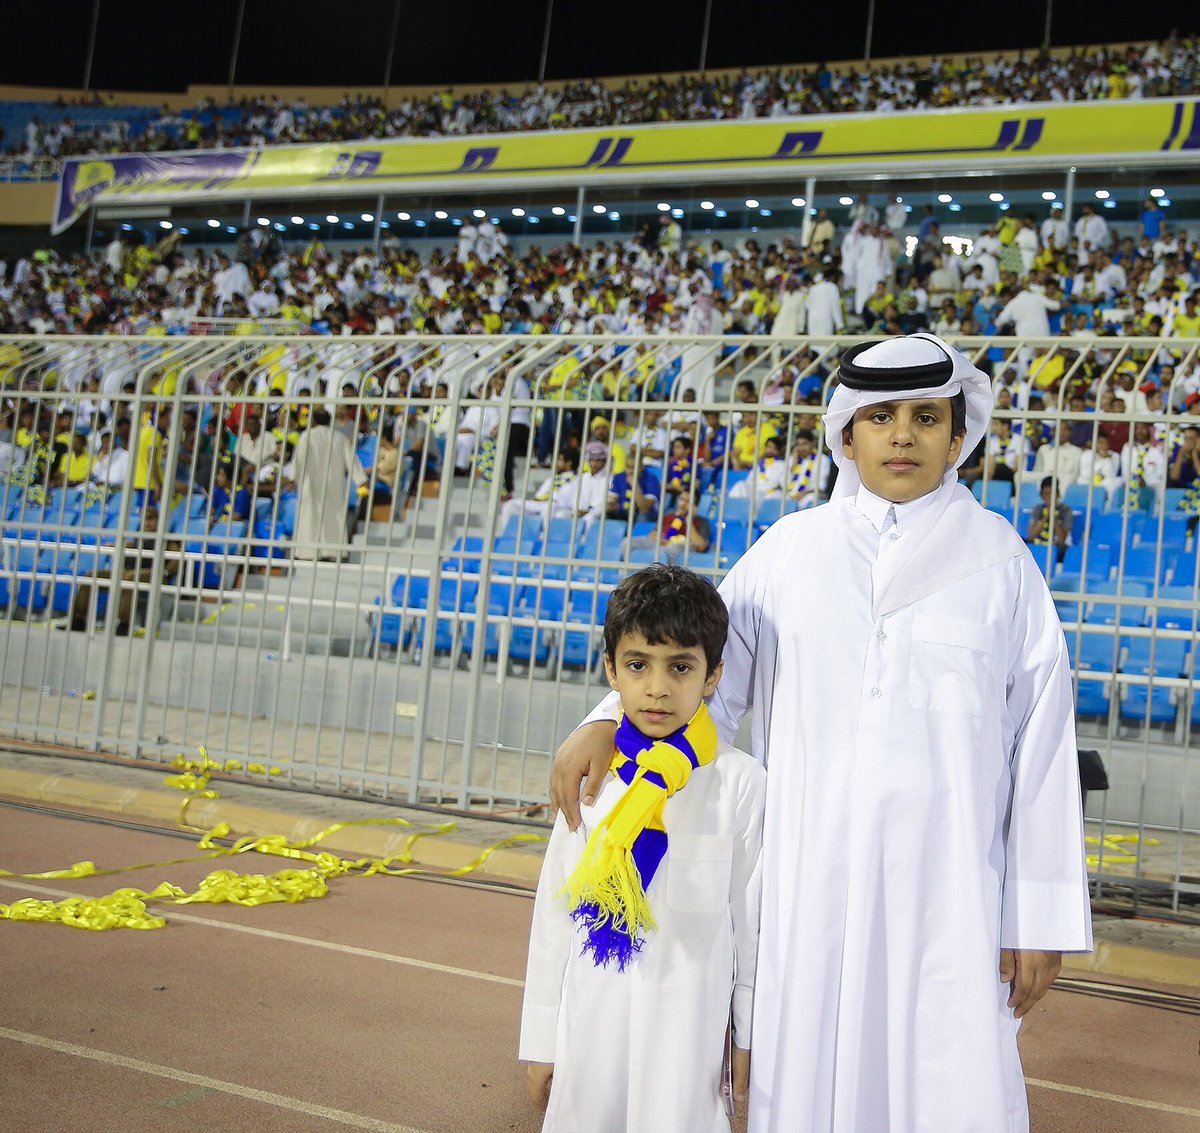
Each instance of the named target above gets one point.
<point>646,919</point>
<point>923,866</point>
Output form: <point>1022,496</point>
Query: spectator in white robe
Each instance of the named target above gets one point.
<point>557,497</point>
<point>824,306</point>
<point>325,466</point>
<point>230,279</point>
<point>871,266</point>
<point>1062,460</point>
<point>700,361</point>
<point>877,639</point>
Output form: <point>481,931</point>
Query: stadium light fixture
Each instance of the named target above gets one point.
<point>572,218</point>
<point>231,228</point>
<point>1164,202</point>
<point>944,198</point>
<point>263,222</point>
<point>956,208</point>
<point>663,206</point>
<point>1005,206</point>
<point>558,210</point>
<point>403,216</point>
<point>995,198</point>
<point>614,215</point>
<point>677,214</point>
<point>212,223</point>
<point>347,224</point>
<point>297,220</point>
<point>1048,194</point>
<point>279,226</point>
<point>315,226</point>
<point>385,224</point>
<point>764,212</point>
<point>1102,194</point>
<point>598,209</point>
<point>368,218</point>
<point>333,218</point>
<point>798,202</point>
<point>441,214</point>
<point>456,222</point>
<point>1110,204</point>
<point>722,213</point>
<point>165,224</point>
<point>495,220</point>
<point>478,214</point>
<point>707,205</point>
<point>534,220</point>
<point>1156,193</point>
<point>845,200</point>
<point>751,203</point>
<point>518,212</point>
<point>184,231</point>
<point>419,223</point>
<point>126,227</point>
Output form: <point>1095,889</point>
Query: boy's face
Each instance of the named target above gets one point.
<point>661,686</point>
<point>902,448</point>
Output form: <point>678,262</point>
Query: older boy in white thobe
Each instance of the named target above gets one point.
<point>923,864</point>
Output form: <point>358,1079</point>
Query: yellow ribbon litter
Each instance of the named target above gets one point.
<point>1113,850</point>
<point>127,908</point>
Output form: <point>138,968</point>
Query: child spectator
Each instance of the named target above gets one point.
<point>646,918</point>
<point>1048,524</point>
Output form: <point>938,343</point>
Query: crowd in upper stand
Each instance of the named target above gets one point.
<point>1165,69</point>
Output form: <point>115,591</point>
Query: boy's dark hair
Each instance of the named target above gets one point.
<point>668,604</point>
<point>958,414</point>
<point>571,456</point>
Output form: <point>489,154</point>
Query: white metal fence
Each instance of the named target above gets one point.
<point>417,638</point>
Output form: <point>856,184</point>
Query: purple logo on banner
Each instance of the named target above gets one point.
<point>87,178</point>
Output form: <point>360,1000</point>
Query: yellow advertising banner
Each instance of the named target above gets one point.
<point>1031,134</point>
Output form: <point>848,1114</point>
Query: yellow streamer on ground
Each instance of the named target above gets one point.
<point>1114,849</point>
<point>126,908</point>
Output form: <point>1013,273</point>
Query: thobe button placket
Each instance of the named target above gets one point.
<point>876,691</point>
<point>882,636</point>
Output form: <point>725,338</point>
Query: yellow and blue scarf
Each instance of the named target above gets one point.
<point>606,893</point>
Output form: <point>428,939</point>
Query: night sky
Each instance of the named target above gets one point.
<point>464,41</point>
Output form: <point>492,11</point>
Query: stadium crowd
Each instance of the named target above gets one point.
<point>1021,276</point>
<point>1165,69</point>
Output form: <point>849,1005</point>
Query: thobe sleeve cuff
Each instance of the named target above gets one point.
<point>608,709</point>
<point>539,1025</point>
<point>1053,916</point>
<point>743,998</point>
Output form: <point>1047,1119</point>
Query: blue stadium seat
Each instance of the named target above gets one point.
<point>1111,613</point>
<point>581,648</point>
<point>1183,571</point>
<point>1145,563</point>
<point>1095,662</point>
<point>227,538</point>
<point>410,593</point>
<point>1098,560</point>
<point>1140,702</point>
<point>1169,654</point>
<point>1177,617</point>
<point>994,494</point>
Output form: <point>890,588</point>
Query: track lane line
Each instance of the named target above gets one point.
<point>281,1101</point>
<point>289,938</point>
<point>1119,1099</point>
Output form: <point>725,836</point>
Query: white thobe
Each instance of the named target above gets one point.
<point>1028,312</point>
<point>914,709</point>
<point>640,1051</point>
<point>323,459</point>
<point>825,309</point>
<point>870,267</point>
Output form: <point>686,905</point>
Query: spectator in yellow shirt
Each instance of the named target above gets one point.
<point>75,466</point>
<point>148,458</point>
<point>749,440</point>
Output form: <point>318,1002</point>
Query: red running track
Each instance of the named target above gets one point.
<point>392,1005</point>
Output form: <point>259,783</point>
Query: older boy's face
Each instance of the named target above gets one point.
<point>902,448</point>
<point>661,686</point>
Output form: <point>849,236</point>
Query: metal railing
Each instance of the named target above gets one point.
<point>362,608</point>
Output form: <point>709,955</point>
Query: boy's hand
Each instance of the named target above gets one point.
<point>740,1065</point>
<point>538,1076</point>
<point>1030,973</point>
<point>586,752</point>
